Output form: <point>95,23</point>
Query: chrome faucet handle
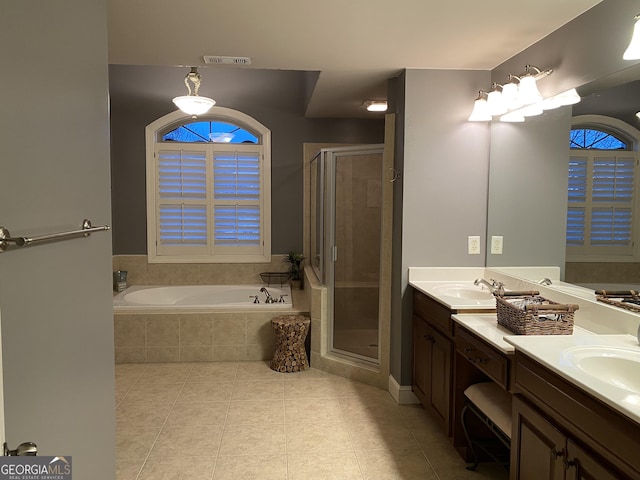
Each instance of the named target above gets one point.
<point>282,300</point>
<point>255,298</point>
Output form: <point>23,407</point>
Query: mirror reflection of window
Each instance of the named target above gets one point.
<point>602,175</point>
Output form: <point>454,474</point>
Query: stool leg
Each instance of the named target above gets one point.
<point>469,441</point>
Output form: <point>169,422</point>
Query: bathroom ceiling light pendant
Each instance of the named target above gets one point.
<point>193,104</point>
<point>376,105</point>
<point>510,93</point>
<point>481,112</point>
<point>633,50</point>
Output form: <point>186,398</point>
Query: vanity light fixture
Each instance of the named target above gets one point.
<point>481,112</point>
<point>512,117</point>
<point>510,93</point>
<point>193,104</point>
<point>376,105</point>
<point>528,92</point>
<point>495,100</point>
<point>570,97</point>
<point>638,115</point>
<point>633,50</point>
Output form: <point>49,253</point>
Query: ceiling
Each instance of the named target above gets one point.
<point>355,45</point>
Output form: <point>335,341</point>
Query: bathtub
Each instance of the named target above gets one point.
<point>207,298</point>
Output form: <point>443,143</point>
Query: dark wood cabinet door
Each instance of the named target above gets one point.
<point>440,374</point>
<point>421,355</point>
<point>538,449</point>
<point>583,466</point>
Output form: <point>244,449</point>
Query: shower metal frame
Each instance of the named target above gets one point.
<point>327,213</point>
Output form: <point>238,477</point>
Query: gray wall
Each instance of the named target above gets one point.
<point>444,187</point>
<point>55,299</point>
<point>141,94</point>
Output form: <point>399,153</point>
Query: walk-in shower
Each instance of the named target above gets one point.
<point>345,244</point>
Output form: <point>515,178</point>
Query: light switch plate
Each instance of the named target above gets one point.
<point>496,245</point>
<point>474,245</point>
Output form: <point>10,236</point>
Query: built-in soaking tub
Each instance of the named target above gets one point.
<point>208,298</point>
<point>198,323</point>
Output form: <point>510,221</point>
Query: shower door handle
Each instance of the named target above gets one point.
<point>334,253</point>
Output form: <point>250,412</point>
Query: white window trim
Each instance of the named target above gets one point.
<point>176,119</point>
<point>613,125</point>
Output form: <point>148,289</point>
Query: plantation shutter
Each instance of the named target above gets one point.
<point>182,198</point>
<point>237,199</point>
<point>601,195</point>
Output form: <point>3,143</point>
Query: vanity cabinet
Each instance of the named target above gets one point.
<point>432,357</point>
<point>560,432</point>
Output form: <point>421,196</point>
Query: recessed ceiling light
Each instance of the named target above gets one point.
<point>376,105</point>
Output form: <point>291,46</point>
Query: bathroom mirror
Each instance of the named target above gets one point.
<point>527,203</point>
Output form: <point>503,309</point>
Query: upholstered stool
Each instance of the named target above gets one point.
<point>290,354</point>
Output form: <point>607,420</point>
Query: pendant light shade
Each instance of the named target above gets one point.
<point>528,91</point>
<point>633,50</point>
<point>481,112</point>
<point>510,95</point>
<point>497,105</point>
<point>193,104</point>
<point>512,117</point>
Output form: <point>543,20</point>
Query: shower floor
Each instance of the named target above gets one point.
<point>359,341</point>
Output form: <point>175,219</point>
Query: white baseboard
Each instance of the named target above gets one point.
<point>402,394</point>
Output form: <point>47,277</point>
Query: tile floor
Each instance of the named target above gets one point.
<point>241,420</point>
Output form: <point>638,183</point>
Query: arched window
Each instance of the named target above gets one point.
<point>208,188</point>
<point>601,188</point>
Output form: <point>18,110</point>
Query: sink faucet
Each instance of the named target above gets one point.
<point>269,298</point>
<point>545,281</point>
<point>493,286</point>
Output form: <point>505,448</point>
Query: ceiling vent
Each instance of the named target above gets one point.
<point>221,60</point>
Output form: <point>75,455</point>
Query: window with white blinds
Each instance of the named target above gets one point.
<point>209,202</point>
<point>601,197</point>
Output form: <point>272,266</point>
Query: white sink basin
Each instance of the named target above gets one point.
<point>616,366</point>
<point>463,291</point>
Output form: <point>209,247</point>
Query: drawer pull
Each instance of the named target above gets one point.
<point>429,338</point>
<point>468,350</point>
<point>557,453</point>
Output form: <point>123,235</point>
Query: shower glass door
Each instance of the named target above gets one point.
<point>356,232</point>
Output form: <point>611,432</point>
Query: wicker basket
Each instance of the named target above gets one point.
<point>273,278</point>
<point>527,313</point>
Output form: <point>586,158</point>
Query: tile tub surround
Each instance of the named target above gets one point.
<point>197,337</point>
<point>252,422</point>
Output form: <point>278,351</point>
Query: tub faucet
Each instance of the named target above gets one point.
<point>545,281</point>
<point>269,298</point>
<point>493,286</point>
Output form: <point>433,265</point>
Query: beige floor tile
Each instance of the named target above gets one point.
<point>317,437</point>
<point>129,370</point>
<point>258,371</point>
<point>148,393</point>
<point>134,443</point>
<point>251,467</point>
<point>253,440</point>
<point>198,413</point>
<point>345,387</point>
<point>381,436</point>
<point>308,374</point>
<point>262,412</point>
<point>323,466</point>
<point>142,415</point>
<point>258,390</point>
<point>358,409</point>
<point>202,441</point>
<point>128,469</point>
<point>166,373</point>
<point>399,464</point>
<point>312,388</point>
<point>206,392</point>
<point>327,410</point>
<point>213,372</point>
<point>177,468</point>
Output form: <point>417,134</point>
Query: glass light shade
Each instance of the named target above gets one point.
<point>480,111</point>
<point>497,106</point>
<point>570,97</point>
<point>194,104</point>
<point>512,117</point>
<point>376,106</point>
<point>531,110</point>
<point>510,95</point>
<point>528,91</point>
<point>638,115</point>
<point>633,50</point>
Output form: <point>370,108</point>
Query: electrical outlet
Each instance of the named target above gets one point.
<point>474,245</point>
<point>496,245</point>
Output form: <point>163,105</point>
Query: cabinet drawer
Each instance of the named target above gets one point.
<point>483,356</point>
<point>433,312</point>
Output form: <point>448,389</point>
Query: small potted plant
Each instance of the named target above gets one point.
<point>295,260</point>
